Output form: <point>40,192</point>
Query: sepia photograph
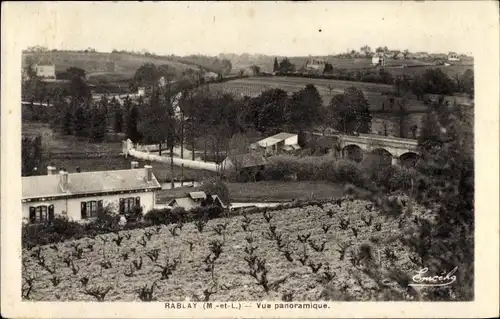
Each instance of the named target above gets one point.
<point>245,155</point>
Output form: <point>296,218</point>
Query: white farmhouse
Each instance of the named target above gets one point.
<point>452,56</point>
<point>378,59</point>
<point>276,144</point>
<point>45,71</point>
<point>315,64</point>
<point>79,195</point>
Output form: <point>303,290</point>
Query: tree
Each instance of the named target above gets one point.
<point>418,87</point>
<point>276,66</point>
<point>286,66</point>
<point>154,121</point>
<point>238,144</point>
<point>268,110</point>
<point>132,121</point>
<point>255,69</point>
<point>435,81</point>
<point>147,75</point>
<point>467,82</point>
<point>328,68</point>
<point>81,121</point>
<point>31,152</point>
<point>366,50</point>
<point>117,113</point>
<point>303,109</point>
<point>98,122</point>
<point>402,85</point>
<point>447,149</point>
<point>72,72</point>
<point>349,112</point>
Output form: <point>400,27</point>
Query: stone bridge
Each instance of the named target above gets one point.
<point>397,150</point>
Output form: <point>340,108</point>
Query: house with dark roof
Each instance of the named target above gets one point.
<point>194,200</point>
<point>249,164</point>
<point>79,196</point>
<point>277,144</point>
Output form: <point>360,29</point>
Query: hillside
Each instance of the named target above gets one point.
<point>114,66</point>
<point>253,86</point>
<point>265,62</point>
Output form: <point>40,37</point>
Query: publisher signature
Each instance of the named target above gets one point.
<point>433,281</point>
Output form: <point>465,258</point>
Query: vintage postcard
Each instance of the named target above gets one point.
<point>250,159</point>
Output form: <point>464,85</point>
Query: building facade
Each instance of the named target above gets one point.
<point>46,71</point>
<point>79,196</point>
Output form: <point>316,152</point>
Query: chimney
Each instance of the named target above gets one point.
<point>51,170</point>
<point>134,165</point>
<point>63,180</point>
<point>148,173</point>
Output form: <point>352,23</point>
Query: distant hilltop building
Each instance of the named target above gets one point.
<point>452,56</point>
<point>45,71</point>
<point>315,64</point>
<point>378,60</point>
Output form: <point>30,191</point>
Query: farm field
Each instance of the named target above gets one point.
<point>451,70</point>
<point>267,191</point>
<point>320,259</point>
<point>97,63</point>
<point>70,153</point>
<point>55,143</point>
<point>254,86</point>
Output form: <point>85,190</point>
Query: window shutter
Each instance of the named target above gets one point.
<point>32,214</point>
<point>100,205</point>
<point>122,205</point>
<point>84,210</point>
<point>138,201</point>
<point>51,212</point>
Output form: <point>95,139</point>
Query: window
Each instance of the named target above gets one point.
<point>127,204</point>
<point>41,213</point>
<point>90,209</point>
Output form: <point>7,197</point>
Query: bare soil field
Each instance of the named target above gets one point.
<point>301,254</point>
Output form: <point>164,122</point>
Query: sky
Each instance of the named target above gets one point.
<point>273,28</point>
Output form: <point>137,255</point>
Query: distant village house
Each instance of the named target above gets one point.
<point>378,60</point>
<point>45,71</point>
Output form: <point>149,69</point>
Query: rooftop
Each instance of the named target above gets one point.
<point>247,160</point>
<point>87,182</point>
<point>271,140</point>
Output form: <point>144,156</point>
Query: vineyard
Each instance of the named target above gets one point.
<point>254,86</point>
<point>345,249</point>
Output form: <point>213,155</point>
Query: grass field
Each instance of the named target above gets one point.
<point>253,86</point>
<point>96,63</point>
<point>310,257</point>
<point>266,63</point>
<point>267,191</point>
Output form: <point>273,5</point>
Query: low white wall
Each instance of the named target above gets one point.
<point>209,166</point>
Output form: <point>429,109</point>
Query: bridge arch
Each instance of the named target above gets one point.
<point>409,159</point>
<point>381,156</point>
<point>352,152</point>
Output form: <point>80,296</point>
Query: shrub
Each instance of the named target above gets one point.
<point>157,216</point>
<point>135,214</point>
<point>348,172</point>
<point>107,220</point>
<point>177,214</point>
